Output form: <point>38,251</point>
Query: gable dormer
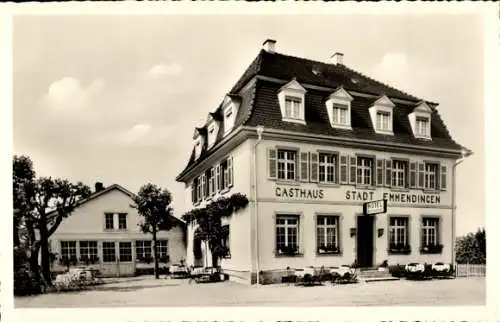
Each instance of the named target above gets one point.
<point>381,114</point>
<point>338,106</point>
<point>199,141</point>
<point>213,124</point>
<point>230,108</point>
<point>291,98</point>
<point>420,121</point>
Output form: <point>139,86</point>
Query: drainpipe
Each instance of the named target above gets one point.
<point>453,202</point>
<point>260,130</point>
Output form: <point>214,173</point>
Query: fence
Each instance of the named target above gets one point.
<point>468,270</point>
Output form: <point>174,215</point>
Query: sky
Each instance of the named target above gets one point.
<point>116,98</point>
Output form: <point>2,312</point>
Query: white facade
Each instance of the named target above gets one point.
<point>112,245</point>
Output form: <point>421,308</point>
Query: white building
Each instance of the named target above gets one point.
<point>103,233</point>
<point>309,142</point>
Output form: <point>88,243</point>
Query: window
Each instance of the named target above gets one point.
<point>108,252</point>
<point>398,231</point>
<point>88,250</point>
<point>383,121</point>
<point>340,114</point>
<point>211,182</point>
<point>109,221</point>
<point>292,107</point>
<point>125,251</point>
<point>327,234</point>
<point>226,173</point>
<point>162,250</point>
<point>212,134</point>
<point>68,250</point>
<point>287,164</point>
<point>399,171</point>
<point>422,126</point>
<point>196,191</point>
<point>228,120</point>
<point>122,221</point>
<point>287,235</point>
<point>143,250</point>
<point>430,232</point>
<point>364,173</point>
<point>225,242</point>
<point>430,176</point>
<point>327,168</point>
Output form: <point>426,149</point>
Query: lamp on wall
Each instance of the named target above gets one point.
<point>353,232</point>
<point>380,232</point>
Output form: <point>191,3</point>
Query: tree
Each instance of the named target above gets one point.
<point>23,177</point>
<point>153,205</point>
<point>43,203</point>
<point>209,221</point>
<point>471,248</point>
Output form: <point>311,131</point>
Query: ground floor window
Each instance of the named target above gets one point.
<point>143,251</point>
<point>125,251</point>
<point>287,234</point>
<point>225,251</point>
<point>162,251</point>
<point>68,252</point>
<point>327,234</point>
<point>430,236</point>
<point>88,251</point>
<point>108,252</point>
<point>398,235</point>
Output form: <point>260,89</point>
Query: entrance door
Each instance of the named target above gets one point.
<point>364,241</point>
<point>125,263</point>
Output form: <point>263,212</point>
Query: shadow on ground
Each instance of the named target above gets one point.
<point>130,288</point>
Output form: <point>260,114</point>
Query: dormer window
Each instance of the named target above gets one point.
<point>291,98</point>
<point>230,108</point>
<point>338,107</point>
<point>292,108</point>
<point>197,147</point>
<point>212,134</point>
<point>381,115</point>
<point>420,121</point>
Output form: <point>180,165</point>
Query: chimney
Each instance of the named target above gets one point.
<point>99,186</point>
<point>337,59</point>
<point>269,45</point>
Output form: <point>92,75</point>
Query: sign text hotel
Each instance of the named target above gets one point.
<point>357,195</point>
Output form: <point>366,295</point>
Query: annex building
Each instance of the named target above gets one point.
<point>103,233</point>
<point>309,142</point>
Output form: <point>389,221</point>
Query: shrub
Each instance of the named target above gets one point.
<point>397,270</point>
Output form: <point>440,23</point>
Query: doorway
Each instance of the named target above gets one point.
<point>364,240</point>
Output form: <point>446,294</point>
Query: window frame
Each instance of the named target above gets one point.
<point>398,171</point>
<point>141,250</point>
<point>428,174</point>
<point>425,230</point>
<point>107,215</point>
<point>287,236</point>
<point>361,168</point>
<point>127,255</point>
<point>122,215</point>
<point>326,166</point>
<point>286,164</point>
<point>427,128</point>
<point>104,254</point>
<point>394,247</point>
<point>70,248</point>
<point>89,248</point>
<point>324,227</point>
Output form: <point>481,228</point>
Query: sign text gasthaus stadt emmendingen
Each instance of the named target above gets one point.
<point>356,195</point>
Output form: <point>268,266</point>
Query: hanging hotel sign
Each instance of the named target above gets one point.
<point>375,207</point>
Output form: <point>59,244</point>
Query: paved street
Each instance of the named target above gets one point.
<point>149,292</point>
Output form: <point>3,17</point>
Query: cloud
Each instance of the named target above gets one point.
<point>144,134</point>
<point>163,69</point>
<point>68,95</point>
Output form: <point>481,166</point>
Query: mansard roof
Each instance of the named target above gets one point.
<point>259,86</point>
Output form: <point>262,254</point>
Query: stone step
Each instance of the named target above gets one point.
<point>373,274</point>
<point>378,279</point>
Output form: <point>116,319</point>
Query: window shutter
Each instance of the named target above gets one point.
<point>343,169</point>
<point>443,177</point>
<point>421,175</point>
<point>413,175</point>
<point>352,170</point>
<point>193,192</point>
<point>217,178</point>
<point>314,167</point>
<point>380,172</point>
<point>388,173</point>
<point>203,185</point>
<point>212,181</point>
<point>272,163</point>
<point>230,171</point>
<point>304,170</point>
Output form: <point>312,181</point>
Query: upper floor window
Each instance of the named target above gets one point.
<point>338,107</point>
<point>327,168</point>
<point>431,176</point>
<point>291,98</point>
<point>228,119</point>
<point>420,121</point>
<point>364,171</point>
<point>340,112</point>
<point>212,134</point>
<point>383,121</point>
<point>109,221</point>
<point>287,161</point>
<point>122,221</point>
<point>292,107</point>
<point>226,173</point>
<point>399,173</point>
<point>422,126</point>
<point>381,115</point>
